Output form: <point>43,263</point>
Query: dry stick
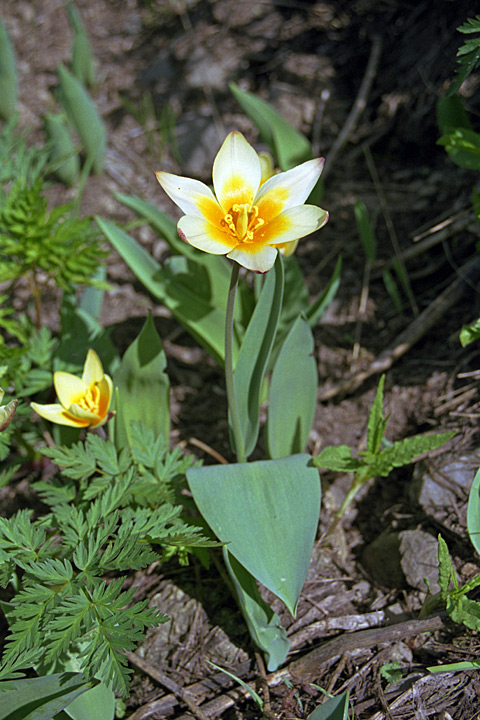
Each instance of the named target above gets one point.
<point>358,106</point>
<point>167,682</point>
<point>305,669</point>
<point>469,272</point>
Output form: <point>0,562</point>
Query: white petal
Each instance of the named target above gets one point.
<point>260,261</point>
<point>205,236</point>
<point>191,196</point>
<point>295,223</point>
<point>291,188</point>
<point>236,172</point>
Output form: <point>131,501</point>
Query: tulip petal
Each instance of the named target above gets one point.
<point>77,411</point>
<point>93,369</point>
<point>288,189</point>
<point>69,388</point>
<point>205,236</point>
<point>236,172</point>
<point>293,224</point>
<point>58,414</point>
<point>105,390</point>
<point>254,256</point>
<point>192,196</point>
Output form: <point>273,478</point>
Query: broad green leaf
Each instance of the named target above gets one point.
<point>336,708</point>
<point>473,513</point>
<point>365,231</point>
<point>40,698</point>
<point>288,145</point>
<point>8,75</point>
<point>463,147</point>
<point>451,114</point>
<point>84,116</point>
<point>143,387</point>
<point>203,321</point>
<point>96,704</point>
<point>463,610</point>
<point>470,333</point>
<point>444,567</point>
<point>376,421</point>
<point>263,624</point>
<point>318,308</point>
<point>267,514</point>
<point>338,458</point>
<point>254,355</point>
<point>456,667</point>
<point>293,393</point>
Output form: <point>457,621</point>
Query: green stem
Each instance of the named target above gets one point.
<point>231,399</point>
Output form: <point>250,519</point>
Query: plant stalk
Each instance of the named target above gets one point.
<point>231,398</point>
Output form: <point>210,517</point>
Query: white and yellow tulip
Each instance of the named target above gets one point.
<point>246,219</point>
<point>85,401</point>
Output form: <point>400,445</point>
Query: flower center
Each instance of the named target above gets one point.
<point>90,401</point>
<point>243,221</point>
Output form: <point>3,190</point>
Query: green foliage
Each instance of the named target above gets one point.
<point>381,456</point>
<point>108,511</point>
<point>64,159</point>
<point>83,60</point>
<point>473,513</point>
<point>366,231</point>
<point>336,708</point>
<point>468,55</point>
<point>84,117</point>
<point>33,239</point>
<point>8,75</point>
<point>41,698</point>
<point>254,355</point>
<point>391,671</point>
<point>470,333</point>
<point>460,607</point>
<point>143,387</point>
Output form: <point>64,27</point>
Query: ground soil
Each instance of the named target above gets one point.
<point>163,70</point>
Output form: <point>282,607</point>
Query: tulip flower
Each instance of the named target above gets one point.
<point>246,220</point>
<point>85,401</point>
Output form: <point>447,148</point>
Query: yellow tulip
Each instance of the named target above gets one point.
<point>85,401</point>
<point>247,219</point>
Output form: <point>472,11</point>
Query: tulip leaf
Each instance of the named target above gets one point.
<point>293,393</point>
<point>40,698</point>
<point>263,624</point>
<point>167,283</point>
<point>255,353</point>
<point>96,704</point>
<point>336,708</point>
<point>84,116</point>
<point>267,513</point>
<point>288,145</point>
<point>473,513</point>
<point>143,387</point>
<point>8,75</point>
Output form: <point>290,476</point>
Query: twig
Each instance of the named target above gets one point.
<point>207,449</point>
<point>358,106</point>
<point>469,272</point>
<point>168,683</point>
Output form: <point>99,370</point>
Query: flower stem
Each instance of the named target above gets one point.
<point>231,399</point>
